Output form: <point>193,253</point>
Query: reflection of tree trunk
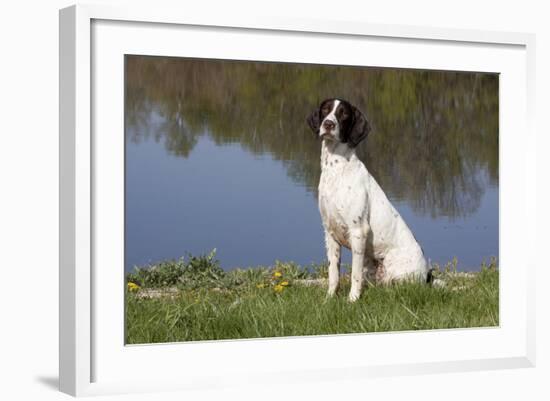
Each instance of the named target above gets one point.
<point>281,114</point>
<point>474,90</point>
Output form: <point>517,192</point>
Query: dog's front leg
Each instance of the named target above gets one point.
<point>333,256</point>
<point>358,241</point>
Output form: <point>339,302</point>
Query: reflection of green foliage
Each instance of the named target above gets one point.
<point>433,131</point>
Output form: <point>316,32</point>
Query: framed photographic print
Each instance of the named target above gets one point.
<point>289,200</point>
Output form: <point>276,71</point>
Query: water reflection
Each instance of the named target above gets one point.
<point>434,142</point>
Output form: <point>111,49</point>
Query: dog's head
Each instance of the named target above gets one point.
<point>338,120</point>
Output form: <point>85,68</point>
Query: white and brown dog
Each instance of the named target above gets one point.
<point>355,211</point>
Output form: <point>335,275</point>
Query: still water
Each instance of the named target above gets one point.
<point>218,155</point>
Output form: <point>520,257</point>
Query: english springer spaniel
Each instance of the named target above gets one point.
<point>355,211</point>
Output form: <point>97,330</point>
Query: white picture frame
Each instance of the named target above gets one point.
<point>94,360</point>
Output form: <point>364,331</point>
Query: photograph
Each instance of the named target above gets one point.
<point>274,199</point>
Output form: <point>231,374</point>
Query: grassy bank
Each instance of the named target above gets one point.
<point>195,299</point>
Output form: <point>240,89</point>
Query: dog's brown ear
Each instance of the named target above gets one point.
<point>314,121</point>
<point>359,129</point>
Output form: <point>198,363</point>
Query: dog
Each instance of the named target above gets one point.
<point>355,211</point>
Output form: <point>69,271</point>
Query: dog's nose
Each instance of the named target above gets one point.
<point>329,125</point>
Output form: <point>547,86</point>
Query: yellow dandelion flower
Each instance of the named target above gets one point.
<point>277,274</point>
<point>278,288</point>
<point>285,283</point>
<point>133,286</point>
<point>261,285</point>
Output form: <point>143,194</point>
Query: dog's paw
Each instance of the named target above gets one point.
<point>353,296</point>
<point>331,292</point>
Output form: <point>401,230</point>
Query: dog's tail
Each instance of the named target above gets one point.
<point>430,276</point>
<point>431,280</point>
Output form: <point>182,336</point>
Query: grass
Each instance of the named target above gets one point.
<point>196,300</point>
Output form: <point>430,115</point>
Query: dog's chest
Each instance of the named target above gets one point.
<point>332,216</point>
<point>339,204</point>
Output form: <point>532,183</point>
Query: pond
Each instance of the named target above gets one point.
<point>218,155</point>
